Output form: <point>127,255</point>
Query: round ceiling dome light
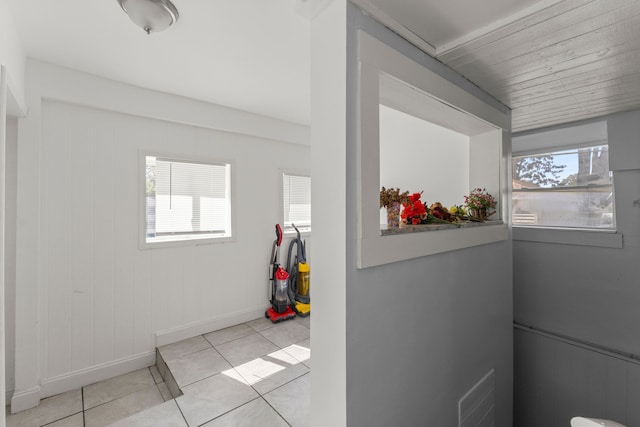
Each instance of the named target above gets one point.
<point>150,15</point>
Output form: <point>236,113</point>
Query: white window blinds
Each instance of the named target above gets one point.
<point>186,200</point>
<point>296,191</point>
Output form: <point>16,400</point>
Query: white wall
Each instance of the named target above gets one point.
<point>12,54</point>
<point>104,304</point>
<point>328,212</point>
<point>10,252</point>
<point>416,155</point>
<point>12,66</point>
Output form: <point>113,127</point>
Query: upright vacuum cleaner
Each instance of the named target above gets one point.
<point>280,307</point>
<point>299,276</point>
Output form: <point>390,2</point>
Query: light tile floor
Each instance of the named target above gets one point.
<point>253,374</point>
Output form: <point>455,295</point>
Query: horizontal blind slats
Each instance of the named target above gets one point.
<point>297,200</point>
<point>187,197</point>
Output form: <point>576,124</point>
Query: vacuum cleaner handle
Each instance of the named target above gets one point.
<point>302,252</point>
<point>278,234</point>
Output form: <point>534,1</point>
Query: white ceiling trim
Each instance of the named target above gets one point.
<point>396,26</point>
<point>472,36</point>
<point>495,26</point>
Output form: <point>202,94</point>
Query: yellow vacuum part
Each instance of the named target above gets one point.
<point>303,278</point>
<point>303,309</point>
<point>303,267</point>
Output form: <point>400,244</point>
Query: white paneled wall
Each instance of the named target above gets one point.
<point>10,255</point>
<point>105,297</point>
<point>88,298</point>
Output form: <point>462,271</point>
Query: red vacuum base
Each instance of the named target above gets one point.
<point>276,317</point>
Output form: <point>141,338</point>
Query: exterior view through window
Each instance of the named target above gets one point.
<point>296,196</point>
<point>572,188</point>
<point>186,200</point>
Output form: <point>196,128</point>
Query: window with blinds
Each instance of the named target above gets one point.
<point>296,192</point>
<point>186,200</point>
<point>568,188</point>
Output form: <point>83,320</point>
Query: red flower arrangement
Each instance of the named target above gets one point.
<point>414,211</point>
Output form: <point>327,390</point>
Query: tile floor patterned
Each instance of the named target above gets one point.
<point>253,374</point>
<point>194,367</point>
<point>296,391</point>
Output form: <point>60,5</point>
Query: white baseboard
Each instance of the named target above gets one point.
<point>8,394</point>
<point>25,399</point>
<point>30,398</point>
<point>83,377</point>
<point>194,329</point>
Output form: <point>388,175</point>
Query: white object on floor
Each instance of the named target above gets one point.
<point>592,422</point>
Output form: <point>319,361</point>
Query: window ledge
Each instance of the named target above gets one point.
<point>565,236</point>
<point>403,229</point>
<point>186,242</point>
<point>379,249</point>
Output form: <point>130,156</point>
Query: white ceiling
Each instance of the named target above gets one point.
<point>551,61</point>
<point>247,54</point>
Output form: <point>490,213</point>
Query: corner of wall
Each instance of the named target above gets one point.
<point>328,166</point>
<point>26,399</point>
<point>12,56</point>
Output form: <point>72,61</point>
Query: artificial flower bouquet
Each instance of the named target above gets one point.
<point>392,199</point>
<point>389,196</point>
<point>480,203</point>
<point>416,212</point>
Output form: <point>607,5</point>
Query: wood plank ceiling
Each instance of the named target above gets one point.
<point>559,62</point>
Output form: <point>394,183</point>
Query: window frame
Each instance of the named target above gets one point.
<point>550,150</point>
<point>486,123</point>
<point>281,174</point>
<point>197,159</point>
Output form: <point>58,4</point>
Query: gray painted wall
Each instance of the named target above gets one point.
<point>586,293</point>
<point>557,380</point>
<point>421,333</point>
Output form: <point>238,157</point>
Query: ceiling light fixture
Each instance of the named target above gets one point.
<point>150,15</point>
